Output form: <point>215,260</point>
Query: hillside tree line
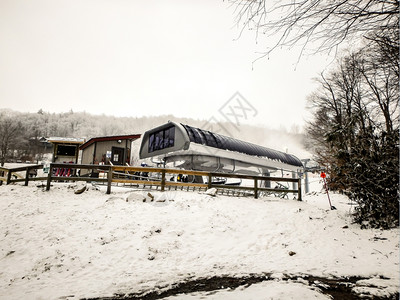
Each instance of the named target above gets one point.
<point>20,133</point>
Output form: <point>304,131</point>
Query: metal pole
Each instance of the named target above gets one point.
<point>294,183</point>
<point>255,188</point>
<point>306,184</point>
<point>267,182</point>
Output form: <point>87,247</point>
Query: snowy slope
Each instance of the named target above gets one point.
<point>57,244</point>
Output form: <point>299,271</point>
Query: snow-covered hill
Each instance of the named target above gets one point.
<point>60,245</point>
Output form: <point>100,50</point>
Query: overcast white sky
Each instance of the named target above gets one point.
<point>136,58</point>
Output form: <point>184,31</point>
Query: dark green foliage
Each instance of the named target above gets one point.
<point>368,172</point>
<point>355,131</point>
<point>373,181</point>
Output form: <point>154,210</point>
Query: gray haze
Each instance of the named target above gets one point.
<point>141,58</point>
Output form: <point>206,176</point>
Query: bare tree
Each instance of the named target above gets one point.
<point>380,70</point>
<point>323,23</point>
<point>355,134</point>
<point>9,133</point>
<point>339,114</point>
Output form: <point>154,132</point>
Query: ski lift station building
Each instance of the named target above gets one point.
<point>107,150</point>
<point>193,148</point>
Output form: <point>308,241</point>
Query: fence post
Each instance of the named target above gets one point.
<point>255,188</point>
<point>209,181</point>
<point>162,180</point>
<point>49,177</point>
<point>27,176</point>
<point>299,190</point>
<point>8,176</point>
<point>109,180</point>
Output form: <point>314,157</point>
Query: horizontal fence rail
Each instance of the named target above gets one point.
<point>6,174</point>
<point>147,176</point>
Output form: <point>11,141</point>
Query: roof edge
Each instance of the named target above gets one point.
<point>110,138</point>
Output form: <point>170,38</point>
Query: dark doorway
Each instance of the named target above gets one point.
<point>117,155</point>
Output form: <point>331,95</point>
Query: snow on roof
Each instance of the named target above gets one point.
<point>109,138</point>
<point>67,140</point>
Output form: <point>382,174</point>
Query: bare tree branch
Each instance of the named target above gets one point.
<point>316,25</point>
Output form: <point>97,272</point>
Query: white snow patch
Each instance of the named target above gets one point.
<point>57,244</point>
<point>211,192</point>
<point>376,287</point>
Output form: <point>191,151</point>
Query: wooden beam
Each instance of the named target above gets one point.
<point>299,190</point>
<point>173,183</point>
<point>109,180</point>
<point>49,177</point>
<point>162,180</point>
<point>163,183</point>
<point>255,188</point>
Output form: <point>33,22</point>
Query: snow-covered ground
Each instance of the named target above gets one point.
<point>62,245</point>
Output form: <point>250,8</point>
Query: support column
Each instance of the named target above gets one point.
<point>267,183</point>
<point>26,176</point>
<point>9,176</point>
<point>306,184</point>
<point>49,177</point>
<point>294,183</point>
<point>109,180</point>
<point>255,188</point>
<point>162,180</point>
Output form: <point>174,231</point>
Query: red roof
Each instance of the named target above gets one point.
<point>109,138</point>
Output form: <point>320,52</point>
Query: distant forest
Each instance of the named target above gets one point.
<point>30,127</point>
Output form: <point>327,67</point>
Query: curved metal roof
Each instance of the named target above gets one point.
<point>208,138</point>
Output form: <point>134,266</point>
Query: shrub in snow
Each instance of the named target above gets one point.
<point>354,131</point>
<point>370,177</point>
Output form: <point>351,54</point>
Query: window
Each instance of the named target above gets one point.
<point>66,150</point>
<point>162,139</point>
<point>169,137</point>
<point>151,143</point>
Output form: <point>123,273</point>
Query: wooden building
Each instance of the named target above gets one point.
<point>65,150</point>
<point>107,150</point>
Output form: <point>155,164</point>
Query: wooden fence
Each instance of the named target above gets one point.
<point>149,177</point>
<point>8,175</point>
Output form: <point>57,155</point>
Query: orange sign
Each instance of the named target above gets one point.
<point>323,175</point>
